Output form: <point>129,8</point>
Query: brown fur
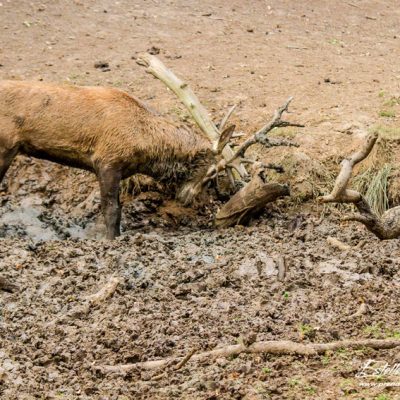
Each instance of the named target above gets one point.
<point>103,130</point>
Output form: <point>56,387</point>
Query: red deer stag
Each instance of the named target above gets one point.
<point>112,134</point>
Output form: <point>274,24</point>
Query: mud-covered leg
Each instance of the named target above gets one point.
<point>6,158</point>
<point>109,180</point>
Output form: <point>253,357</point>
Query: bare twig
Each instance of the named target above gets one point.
<point>271,347</point>
<point>185,360</point>
<point>261,135</point>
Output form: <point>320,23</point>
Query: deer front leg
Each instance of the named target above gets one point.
<point>109,180</point>
<point>6,157</point>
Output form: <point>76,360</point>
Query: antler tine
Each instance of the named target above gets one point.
<point>226,117</point>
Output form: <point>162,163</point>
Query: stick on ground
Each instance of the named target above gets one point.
<point>271,347</point>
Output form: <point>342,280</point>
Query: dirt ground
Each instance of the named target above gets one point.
<point>183,285</point>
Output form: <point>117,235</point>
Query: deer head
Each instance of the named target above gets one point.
<point>211,163</point>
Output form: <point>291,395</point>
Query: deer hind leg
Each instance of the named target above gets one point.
<point>109,180</point>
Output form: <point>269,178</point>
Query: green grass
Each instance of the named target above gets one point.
<point>382,397</point>
<point>305,330</point>
<point>373,330</point>
<point>393,101</point>
<point>388,113</point>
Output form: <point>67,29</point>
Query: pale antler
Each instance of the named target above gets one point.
<point>385,227</point>
<point>191,102</point>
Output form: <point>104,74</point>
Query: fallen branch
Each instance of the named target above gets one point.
<point>384,227</point>
<point>271,347</point>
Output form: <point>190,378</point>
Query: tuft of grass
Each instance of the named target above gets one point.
<point>305,330</point>
<point>374,186</point>
<point>382,397</point>
<point>294,382</point>
<point>325,359</point>
<point>387,113</point>
<point>374,330</point>
<point>393,101</point>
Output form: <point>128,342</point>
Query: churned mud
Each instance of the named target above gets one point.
<point>182,286</point>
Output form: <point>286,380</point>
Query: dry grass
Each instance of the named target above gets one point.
<point>374,185</point>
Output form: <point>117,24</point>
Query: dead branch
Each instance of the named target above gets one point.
<point>271,347</point>
<point>250,200</point>
<point>190,100</point>
<point>339,192</point>
<point>261,135</point>
<point>385,227</point>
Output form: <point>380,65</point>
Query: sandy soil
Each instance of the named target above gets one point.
<point>182,284</point>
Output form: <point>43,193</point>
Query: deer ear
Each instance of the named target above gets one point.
<point>225,138</point>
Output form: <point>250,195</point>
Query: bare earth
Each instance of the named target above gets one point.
<point>183,285</point>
